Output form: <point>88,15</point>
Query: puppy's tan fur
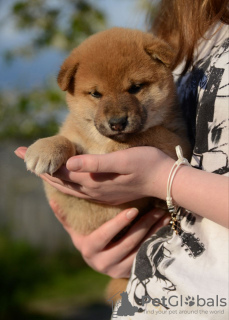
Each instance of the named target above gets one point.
<point>121,94</point>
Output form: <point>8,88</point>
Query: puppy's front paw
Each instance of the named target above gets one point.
<point>48,155</point>
<point>41,160</point>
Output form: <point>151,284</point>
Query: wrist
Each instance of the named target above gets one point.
<point>157,186</point>
<point>181,181</point>
<point>163,178</point>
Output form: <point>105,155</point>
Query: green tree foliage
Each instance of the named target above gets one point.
<point>57,24</point>
<point>31,115</point>
<point>49,24</point>
<point>30,277</point>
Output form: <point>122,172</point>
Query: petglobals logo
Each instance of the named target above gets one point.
<point>190,301</point>
<point>167,305</point>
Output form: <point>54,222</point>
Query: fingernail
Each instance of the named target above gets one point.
<point>74,164</point>
<point>132,213</point>
<point>18,154</point>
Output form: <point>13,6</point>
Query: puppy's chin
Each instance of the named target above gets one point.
<point>121,137</point>
<point>118,136</point>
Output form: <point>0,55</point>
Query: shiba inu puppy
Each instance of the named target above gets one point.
<point>121,94</point>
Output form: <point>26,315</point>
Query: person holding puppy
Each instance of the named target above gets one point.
<point>192,263</point>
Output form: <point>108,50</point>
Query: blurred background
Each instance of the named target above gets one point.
<point>42,276</point>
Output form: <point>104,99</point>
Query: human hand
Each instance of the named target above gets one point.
<point>113,178</point>
<point>114,258</point>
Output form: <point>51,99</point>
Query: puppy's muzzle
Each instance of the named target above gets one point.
<point>119,117</point>
<point>118,123</point>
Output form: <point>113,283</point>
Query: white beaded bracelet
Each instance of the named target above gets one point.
<point>173,209</point>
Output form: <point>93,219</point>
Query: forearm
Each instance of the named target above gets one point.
<point>143,172</point>
<point>204,193</point>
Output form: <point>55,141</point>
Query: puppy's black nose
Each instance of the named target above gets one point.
<point>118,124</point>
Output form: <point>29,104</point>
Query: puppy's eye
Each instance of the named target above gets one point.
<point>135,88</point>
<point>96,94</point>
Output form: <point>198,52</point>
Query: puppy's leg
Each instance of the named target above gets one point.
<point>115,287</point>
<point>167,141</point>
<point>49,154</point>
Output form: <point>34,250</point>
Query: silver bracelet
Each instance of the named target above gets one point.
<point>173,209</point>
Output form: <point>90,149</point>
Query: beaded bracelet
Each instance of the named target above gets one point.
<point>173,209</point>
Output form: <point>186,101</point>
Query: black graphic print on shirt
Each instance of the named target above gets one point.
<point>154,257</point>
<point>203,93</point>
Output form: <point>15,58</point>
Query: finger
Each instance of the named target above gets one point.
<point>163,221</point>
<point>66,188</point>
<point>56,179</point>
<point>115,162</point>
<point>64,174</point>
<point>77,177</point>
<point>70,188</point>
<point>58,213</point>
<point>136,235</point>
<point>101,237</point>
<point>123,268</point>
<point>80,177</point>
<point>77,238</point>
<point>20,152</point>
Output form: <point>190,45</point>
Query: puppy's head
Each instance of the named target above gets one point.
<point>120,81</point>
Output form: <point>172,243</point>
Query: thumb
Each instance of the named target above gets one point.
<point>115,162</point>
<point>20,152</point>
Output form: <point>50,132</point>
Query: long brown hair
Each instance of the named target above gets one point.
<point>183,22</point>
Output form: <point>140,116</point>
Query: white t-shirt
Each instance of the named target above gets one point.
<point>185,276</point>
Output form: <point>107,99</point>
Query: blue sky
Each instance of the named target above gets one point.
<point>24,74</point>
<point>123,13</point>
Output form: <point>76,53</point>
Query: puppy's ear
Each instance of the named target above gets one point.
<point>67,72</point>
<point>161,51</point>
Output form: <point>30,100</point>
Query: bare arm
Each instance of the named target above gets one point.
<point>143,172</point>
<point>139,172</point>
<point>206,194</point>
